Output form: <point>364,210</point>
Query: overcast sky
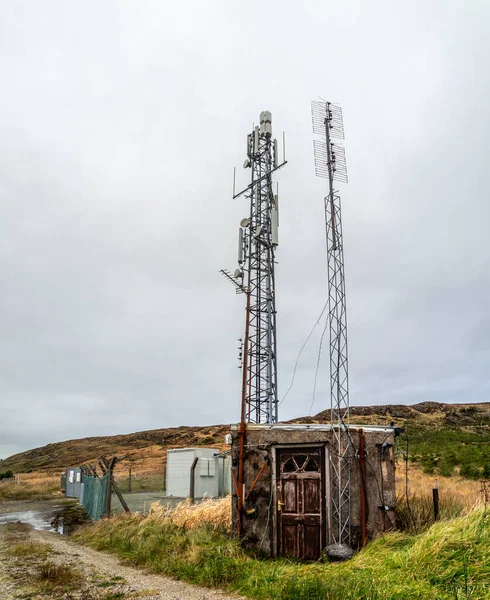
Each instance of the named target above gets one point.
<point>120,125</point>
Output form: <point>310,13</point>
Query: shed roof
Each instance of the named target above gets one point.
<point>314,427</point>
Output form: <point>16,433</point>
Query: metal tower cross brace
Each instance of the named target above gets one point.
<point>330,163</point>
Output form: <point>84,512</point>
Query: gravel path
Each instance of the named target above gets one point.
<point>102,574</point>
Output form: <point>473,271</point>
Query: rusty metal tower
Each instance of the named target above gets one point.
<point>330,164</point>
<point>257,243</point>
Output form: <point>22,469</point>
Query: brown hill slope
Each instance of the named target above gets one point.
<point>145,451</point>
<point>424,413</point>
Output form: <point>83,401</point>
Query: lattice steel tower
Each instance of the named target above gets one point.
<point>330,164</point>
<point>258,240</point>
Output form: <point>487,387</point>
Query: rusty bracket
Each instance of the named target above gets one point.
<point>259,475</point>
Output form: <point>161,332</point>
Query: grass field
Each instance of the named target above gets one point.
<point>457,497</point>
<point>32,486</point>
<point>450,560</point>
<point>446,560</point>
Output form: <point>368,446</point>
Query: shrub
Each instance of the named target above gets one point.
<point>51,575</point>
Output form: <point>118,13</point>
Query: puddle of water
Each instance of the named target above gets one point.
<point>39,520</point>
<point>60,519</point>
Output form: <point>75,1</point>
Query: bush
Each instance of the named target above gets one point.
<point>442,451</point>
<point>52,575</point>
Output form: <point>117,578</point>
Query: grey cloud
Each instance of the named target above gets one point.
<point>121,125</point>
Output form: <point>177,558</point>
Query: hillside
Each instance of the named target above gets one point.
<point>144,451</point>
<point>442,437</point>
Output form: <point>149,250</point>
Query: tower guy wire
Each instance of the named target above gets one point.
<point>317,322</point>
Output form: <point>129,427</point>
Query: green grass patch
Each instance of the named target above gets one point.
<point>29,550</point>
<point>450,560</point>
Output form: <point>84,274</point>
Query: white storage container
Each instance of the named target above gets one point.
<point>211,477</point>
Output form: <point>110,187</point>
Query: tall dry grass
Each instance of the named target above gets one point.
<point>457,497</point>
<point>215,514</point>
<point>32,486</point>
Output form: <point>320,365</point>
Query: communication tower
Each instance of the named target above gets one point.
<point>330,164</point>
<point>257,243</point>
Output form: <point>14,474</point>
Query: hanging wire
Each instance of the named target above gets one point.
<point>268,517</point>
<point>318,365</point>
<point>301,350</point>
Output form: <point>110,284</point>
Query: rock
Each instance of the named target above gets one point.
<point>339,552</point>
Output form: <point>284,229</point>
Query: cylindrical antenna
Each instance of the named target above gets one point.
<point>256,139</point>
<point>275,154</point>
<point>276,202</point>
<point>240,246</point>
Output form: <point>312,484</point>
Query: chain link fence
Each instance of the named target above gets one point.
<point>138,491</point>
<point>119,491</point>
<point>94,496</point>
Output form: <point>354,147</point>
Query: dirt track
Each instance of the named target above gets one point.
<point>102,575</point>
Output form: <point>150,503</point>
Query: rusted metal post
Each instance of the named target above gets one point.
<point>192,487</point>
<point>362,468</point>
<point>243,427</point>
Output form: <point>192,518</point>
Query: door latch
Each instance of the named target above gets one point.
<point>279,505</point>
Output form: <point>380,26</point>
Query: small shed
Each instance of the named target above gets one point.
<point>73,482</point>
<point>290,499</point>
<point>211,473</point>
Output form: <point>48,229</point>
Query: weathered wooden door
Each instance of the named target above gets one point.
<point>300,506</point>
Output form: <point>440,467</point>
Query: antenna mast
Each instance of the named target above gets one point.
<point>257,243</point>
<point>330,164</point>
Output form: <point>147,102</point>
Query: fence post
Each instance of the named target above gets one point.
<point>129,480</point>
<point>192,482</point>
<point>435,500</point>
<point>107,507</point>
